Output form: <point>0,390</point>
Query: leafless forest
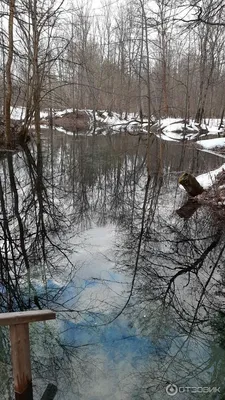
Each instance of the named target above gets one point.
<point>160,57</point>
<point>89,224</point>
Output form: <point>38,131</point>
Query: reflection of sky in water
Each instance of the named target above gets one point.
<point>96,281</point>
<point>118,340</point>
<point>113,356</point>
<point>115,350</point>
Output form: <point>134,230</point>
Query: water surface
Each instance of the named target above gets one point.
<point>138,291</point>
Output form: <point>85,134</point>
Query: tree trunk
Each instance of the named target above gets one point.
<point>190,184</point>
<point>8,74</point>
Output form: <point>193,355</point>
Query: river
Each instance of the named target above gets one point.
<point>138,290</point>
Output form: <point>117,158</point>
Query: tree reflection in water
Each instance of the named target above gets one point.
<point>167,311</point>
<point>179,279</point>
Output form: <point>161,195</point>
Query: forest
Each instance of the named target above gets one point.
<point>154,58</point>
<point>95,224</point>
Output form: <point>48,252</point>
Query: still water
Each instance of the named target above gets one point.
<point>139,291</point>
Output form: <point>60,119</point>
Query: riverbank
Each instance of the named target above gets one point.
<point>209,136</point>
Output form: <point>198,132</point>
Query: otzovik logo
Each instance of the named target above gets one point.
<point>171,389</point>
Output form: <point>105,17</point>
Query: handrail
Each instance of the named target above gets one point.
<point>18,323</point>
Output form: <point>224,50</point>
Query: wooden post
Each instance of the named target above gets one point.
<point>20,354</point>
<point>20,347</point>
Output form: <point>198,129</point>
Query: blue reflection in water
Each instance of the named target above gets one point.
<point>118,339</point>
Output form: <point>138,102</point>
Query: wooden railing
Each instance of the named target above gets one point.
<point>18,323</point>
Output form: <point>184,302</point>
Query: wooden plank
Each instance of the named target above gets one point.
<point>50,392</point>
<point>20,354</point>
<point>24,317</point>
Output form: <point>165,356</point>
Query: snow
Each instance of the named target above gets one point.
<point>113,120</point>
<point>108,118</point>
<point>41,126</point>
<point>63,112</point>
<point>69,133</point>
<point>208,179</point>
<point>178,127</point>
<point>212,143</point>
<point>60,129</point>
<point>191,130</point>
<point>44,114</point>
<point>213,152</point>
<point>165,137</point>
<point>18,113</point>
<point>214,130</point>
<point>170,129</point>
<point>166,122</point>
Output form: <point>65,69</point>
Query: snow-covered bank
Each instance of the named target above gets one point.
<point>209,178</point>
<point>18,113</point>
<point>102,122</point>
<point>178,129</point>
<point>211,144</point>
<point>172,129</point>
<point>213,195</point>
<point>69,121</point>
<point>120,123</point>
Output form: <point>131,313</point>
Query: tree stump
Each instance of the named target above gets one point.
<point>190,184</point>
